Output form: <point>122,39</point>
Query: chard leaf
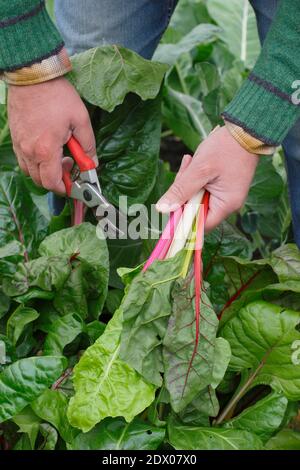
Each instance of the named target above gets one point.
<point>19,217</point>
<point>40,275</point>
<point>200,34</point>
<point>208,438</point>
<point>188,370</point>
<point>239,30</point>
<point>261,338</point>
<point>85,289</point>
<point>146,308</point>
<point>50,437</point>
<point>116,434</point>
<point>24,380</point>
<point>129,142</point>
<point>101,374</point>
<point>10,255</point>
<point>62,332</point>
<point>204,406</point>
<point>286,439</point>
<point>51,406</point>
<point>263,418</point>
<point>116,71</point>
<point>18,321</point>
<point>28,423</point>
<point>222,355</point>
<point>286,263</point>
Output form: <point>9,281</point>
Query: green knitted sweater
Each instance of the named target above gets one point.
<point>27,34</point>
<point>263,107</point>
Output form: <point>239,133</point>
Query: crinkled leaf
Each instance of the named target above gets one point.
<point>188,370</point>
<point>116,71</point>
<point>29,423</point>
<point>62,332</point>
<point>263,418</point>
<point>49,437</point>
<point>261,336</point>
<point>10,255</point>
<point>204,406</point>
<point>146,309</point>
<point>18,321</point>
<point>85,290</point>
<point>239,29</point>
<point>286,439</point>
<point>208,438</point>
<point>129,142</point>
<point>19,217</point>
<point>40,275</point>
<point>25,380</point>
<point>116,434</point>
<point>222,355</point>
<point>286,263</point>
<point>200,34</point>
<point>105,385</point>
<point>51,406</point>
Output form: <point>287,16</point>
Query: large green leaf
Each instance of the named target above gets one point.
<point>10,255</point>
<point>51,406</point>
<point>261,336</point>
<point>204,438</point>
<point>128,143</point>
<point>103,76</point>
<point>184,114</point>
<point>287,439</point>
<point>38,278</point>
<point>18,320</point>
<point>200,34</point>
<point>85,289</point>
<point>62,332</point>
<point>116,434</point>
<point>187,15</point>
<point>25,380</point>
<point>187,365</point>
<point>239,30</point>
<point>203,407</point>
<point>105,385</point>
<point>263,418</point>
<point>146,308</point>
<point>28,423</point>
<point>19,217</point>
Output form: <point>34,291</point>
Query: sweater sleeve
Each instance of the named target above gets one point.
<point>27,34</point>
<point>264,106</point>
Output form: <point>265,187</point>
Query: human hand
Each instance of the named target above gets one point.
<point>42,119</point>
<point>219,165</point>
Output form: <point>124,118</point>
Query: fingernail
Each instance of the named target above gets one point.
<point>165,206</point>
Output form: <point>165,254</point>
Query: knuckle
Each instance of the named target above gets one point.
<point>41,150</point>
<point>25,148</point>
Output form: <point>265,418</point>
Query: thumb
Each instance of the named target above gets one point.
<point>83,132</point>
<point>186,185</point>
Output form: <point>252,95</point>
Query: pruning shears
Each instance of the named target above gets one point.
<point>82,183</point>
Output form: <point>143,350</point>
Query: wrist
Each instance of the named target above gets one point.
<point>247,141</point>
<point>55,66</point>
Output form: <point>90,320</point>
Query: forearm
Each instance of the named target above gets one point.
<point>32,49</point>
<point>264,107</point>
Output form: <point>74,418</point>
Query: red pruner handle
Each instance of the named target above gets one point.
<point>67,181</point>
<point>84,162</point>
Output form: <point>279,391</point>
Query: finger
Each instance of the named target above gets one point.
<point>33,170</point>
<point>186,160</point>
<point>67,164</point>
<point>51,173</point>
<point>216,214</point>
<point>23,166</point>
<point>192,179</point>
<point>83,132</point>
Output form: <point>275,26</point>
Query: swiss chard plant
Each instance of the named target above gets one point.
<point>196,348</point>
